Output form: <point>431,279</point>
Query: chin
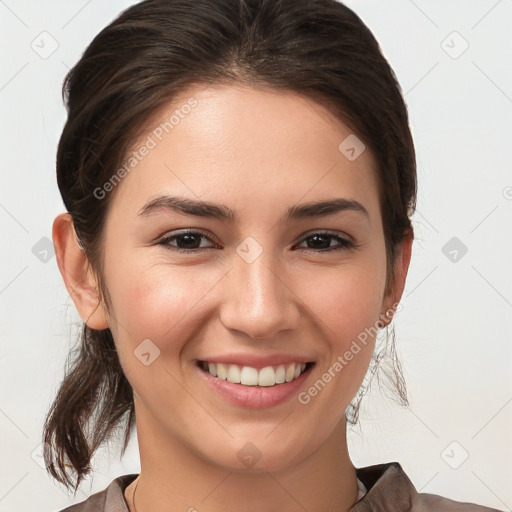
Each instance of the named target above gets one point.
<point>258,454</point>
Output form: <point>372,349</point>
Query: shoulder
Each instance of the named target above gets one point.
<point>435,502</point>
<point>110,499</point>
<point>389,488</point>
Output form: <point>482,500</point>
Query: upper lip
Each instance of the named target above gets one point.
<point>257,361</point>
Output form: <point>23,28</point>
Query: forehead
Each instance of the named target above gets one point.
<point>241,145</point>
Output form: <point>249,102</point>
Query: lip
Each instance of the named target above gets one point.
<point>255,397</point>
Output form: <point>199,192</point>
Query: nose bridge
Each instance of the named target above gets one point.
<point>258,302</point>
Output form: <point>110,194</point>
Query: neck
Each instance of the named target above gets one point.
<point>170,473</point>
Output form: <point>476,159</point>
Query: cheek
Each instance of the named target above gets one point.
<point>162,305</point>
<point>346,299</point>
<point>156,302</point>
<point>346,302</point>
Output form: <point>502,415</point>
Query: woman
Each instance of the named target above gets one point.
<point>239,177</point>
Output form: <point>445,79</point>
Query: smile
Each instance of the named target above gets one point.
<point>250,376</point>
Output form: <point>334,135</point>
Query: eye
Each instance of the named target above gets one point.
<point>186,241</point>
<point>323,240</point>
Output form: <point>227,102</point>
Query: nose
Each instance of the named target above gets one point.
<point>259,301</point>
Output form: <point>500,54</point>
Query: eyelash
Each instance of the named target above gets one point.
<point>343,242</point>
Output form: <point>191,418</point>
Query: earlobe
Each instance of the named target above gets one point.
<point>77,274</point>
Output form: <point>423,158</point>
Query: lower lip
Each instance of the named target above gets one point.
<point>255,397</point>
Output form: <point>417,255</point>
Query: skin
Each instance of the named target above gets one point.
<point>257,151</point>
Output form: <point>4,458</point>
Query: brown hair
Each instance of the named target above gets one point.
<point>141,61</point>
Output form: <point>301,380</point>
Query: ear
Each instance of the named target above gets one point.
<point>402,260</point>
<point>77,274</point>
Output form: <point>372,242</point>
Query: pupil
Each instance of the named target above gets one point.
<point>320,237</point>
<point>189,240</point>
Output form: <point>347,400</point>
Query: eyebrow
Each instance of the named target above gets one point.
<point>200,208</point>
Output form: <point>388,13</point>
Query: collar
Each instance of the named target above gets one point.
<point>389,489</point>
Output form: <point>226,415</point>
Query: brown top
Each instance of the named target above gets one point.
<point>389,489</point>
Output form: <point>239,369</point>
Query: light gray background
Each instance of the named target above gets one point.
<point>454,332</point>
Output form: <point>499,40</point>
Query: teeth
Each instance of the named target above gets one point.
<point>249,376</point>
<point>281,375</point>
<point>222,372</point>
<point>233,374</point>
<point>212,368</point>
<point>267,376</point>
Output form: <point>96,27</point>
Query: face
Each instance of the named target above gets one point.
<point>257,282</point>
